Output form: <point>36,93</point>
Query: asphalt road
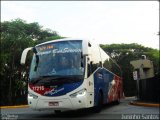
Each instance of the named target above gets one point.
<point>109,111</point>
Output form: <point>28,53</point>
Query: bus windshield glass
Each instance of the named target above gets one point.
<point>63,58</point>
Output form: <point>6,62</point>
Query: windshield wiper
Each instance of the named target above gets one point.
<point>45,78</point>
<point>35,80</point>
<point>57,79</point>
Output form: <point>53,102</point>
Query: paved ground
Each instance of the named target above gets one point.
<point>110,111</point>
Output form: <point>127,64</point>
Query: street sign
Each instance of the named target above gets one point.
<point>135,75</point>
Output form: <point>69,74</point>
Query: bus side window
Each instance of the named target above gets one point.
<point>92,67</point>
<point>100,64</point>
<point>89,70</point>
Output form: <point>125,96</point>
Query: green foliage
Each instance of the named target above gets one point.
<point>123,54</point>
<point>16,35</point>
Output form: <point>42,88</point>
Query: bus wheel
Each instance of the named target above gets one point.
<point>118,99</point>
<point>57,111</point>
<point>98,108</point>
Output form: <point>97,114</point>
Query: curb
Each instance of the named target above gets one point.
<point>18,106</point>
<point>144,104</point>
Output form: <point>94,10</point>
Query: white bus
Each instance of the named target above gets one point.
<point>70,74</point>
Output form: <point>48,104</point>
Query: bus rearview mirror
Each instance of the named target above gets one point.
<point>24,55</point>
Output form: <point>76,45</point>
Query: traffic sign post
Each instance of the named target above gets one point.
<point>135,77</point>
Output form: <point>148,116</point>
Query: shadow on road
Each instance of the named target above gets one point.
<point>82,113</point>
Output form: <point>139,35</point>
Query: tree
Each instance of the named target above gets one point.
<point>16,35</point>
<point>123,54</point>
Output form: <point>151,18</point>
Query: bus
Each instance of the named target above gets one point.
<point>71,74</point>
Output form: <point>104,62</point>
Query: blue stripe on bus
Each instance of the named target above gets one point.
<point>64,89</point>
<point>102,78</point>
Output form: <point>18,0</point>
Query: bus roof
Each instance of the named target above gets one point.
<point>64,39</point>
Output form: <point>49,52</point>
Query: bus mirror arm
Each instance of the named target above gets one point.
<point>24,55</point>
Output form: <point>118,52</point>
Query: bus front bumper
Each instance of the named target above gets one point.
<point>67,103</point>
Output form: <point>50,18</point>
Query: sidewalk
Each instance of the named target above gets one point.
<point>17,106</point>
<point>146,104</point>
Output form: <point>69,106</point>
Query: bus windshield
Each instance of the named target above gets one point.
<point>62,58</point>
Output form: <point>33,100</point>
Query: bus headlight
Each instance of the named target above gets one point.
<point>79,93</point>
<point>32,95</point>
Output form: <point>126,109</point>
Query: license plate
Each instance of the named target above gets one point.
<point>53,104</point>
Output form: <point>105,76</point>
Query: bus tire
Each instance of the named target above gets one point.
<point>57,111</point>
<point>98,108</point>
<point>118,99</point>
